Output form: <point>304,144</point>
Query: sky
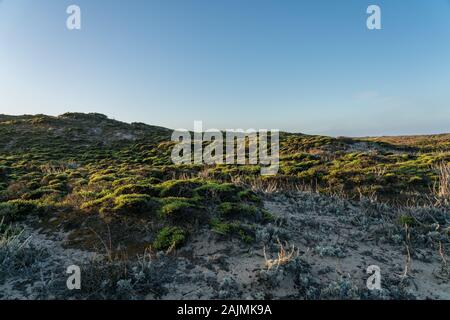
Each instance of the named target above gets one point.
<point>301,66</point>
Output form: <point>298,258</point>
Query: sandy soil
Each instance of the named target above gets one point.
<point>335,241</point>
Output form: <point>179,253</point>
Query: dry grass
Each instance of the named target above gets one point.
<point>443,258</point>
<point>380,171</point>
<point>6,235</point>
<point>107,245</point>
<point>60,167</point>
<point>442,187</point>
<point>283,258</point>
<point>372,197</point>
<point>272,185</point>
<point>408,262</point>
<point>172,248</point>
<point>260,185</point>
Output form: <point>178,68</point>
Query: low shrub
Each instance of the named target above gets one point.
<point>60,186</point>
<point>220,191</point>
<point>221,227</point>
<point>134,204</point>
<point>230,210</point>
<point>92,204</point>
<point>176,209</point>
<point>16,210</point>
<point>33,185</point>
<point>248,195</point>
<point>98,178</point>
<point>137,189</point>
<point>224,228</point>
<point>169,237</point>
<point>179,188</point>
<point>39,193</point>
<point>406,220</point>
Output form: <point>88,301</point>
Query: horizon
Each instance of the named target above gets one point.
<point>308,67</point>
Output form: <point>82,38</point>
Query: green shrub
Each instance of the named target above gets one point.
<point>122,182</point>
<point>415,180</point>
<point>134,204</point>
<point>96,202</point>
<point>221,227</point>
<point>62,177</point>
<point>156,174</point>
<point>220,191</point>
<point>178,209</point>
<point>98,178</point>
<point>58,186</point>
<point>80,182</point>
<point>16,210</point>
<point>75,175</point>
<point>232,229</point>
<point>169,237</point>
<point>228,209</point>
<point>179,188</point>
<point>39,193</point>
<point>406,220</point>
<point>248,195</point>
<point>33,185</point>
<point>267,216</point>
<point>54,181</point>
<point>245,235</point>
<point>137,189</point>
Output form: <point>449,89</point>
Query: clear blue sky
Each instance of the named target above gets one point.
<point>303,66</point>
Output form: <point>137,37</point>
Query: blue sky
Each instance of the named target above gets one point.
<point>302,66</point>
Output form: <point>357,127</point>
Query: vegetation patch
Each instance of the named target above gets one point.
<point>234,228</point>
<point>179,188</point>
<point>16,210</point>
<point>169,238</point>
<point>221,191</point>
<point>232,210</point>
<point>134,204</point>
<point>178,209</point>
<point>147,189</point>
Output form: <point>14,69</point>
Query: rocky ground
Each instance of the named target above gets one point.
<point>329,244</point>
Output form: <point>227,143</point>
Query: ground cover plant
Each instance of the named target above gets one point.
<point>111,188</point>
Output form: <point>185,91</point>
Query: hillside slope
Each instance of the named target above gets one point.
<point>84,189</point>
